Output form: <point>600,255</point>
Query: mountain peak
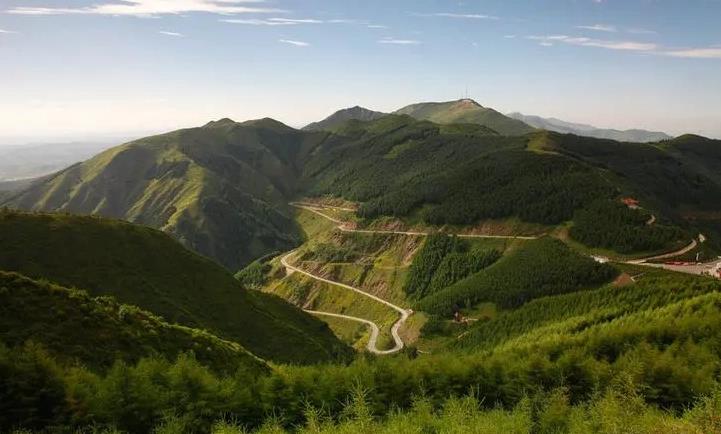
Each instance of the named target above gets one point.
<point>338,118</point>
<point>219,123</point>
<point>468,103</point>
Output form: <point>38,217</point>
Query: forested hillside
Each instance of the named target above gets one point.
<point>98,332</point>
<point>396,166</point>
<point>146,268</point>
<point>220,189</point>
<point>539,268</point>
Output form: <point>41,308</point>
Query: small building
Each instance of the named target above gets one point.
<point>631,202</point>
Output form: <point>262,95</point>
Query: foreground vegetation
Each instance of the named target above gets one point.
<point>661,344</point>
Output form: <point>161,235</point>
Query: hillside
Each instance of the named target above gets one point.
<point>146,268</point>
<point>559,126</point>
<point>676,177</point>
<point>466,111</point>
<point>337,119</point>
<point>219,189</point>
<point>458,174</point>
<point>98,332</point>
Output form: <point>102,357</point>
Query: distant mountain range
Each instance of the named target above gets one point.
<point>222,189</point>
<point>469,111</point>
<point>553,124</point>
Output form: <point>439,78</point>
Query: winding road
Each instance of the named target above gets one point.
<point>375,330</point>
<point>342,225</point>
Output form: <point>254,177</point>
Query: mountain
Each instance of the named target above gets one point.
<point>144,267</point>
<point>397,166</point>
<point>98,331</point>
<point>32,161</point>
<point>220,189</point>
<point>337,119</point>
<point>557,125</point>
<point>466,111</point>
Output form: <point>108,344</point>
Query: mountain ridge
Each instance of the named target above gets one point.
<point>635,135</point>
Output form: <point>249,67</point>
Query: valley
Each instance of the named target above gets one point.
<point>377,261</point>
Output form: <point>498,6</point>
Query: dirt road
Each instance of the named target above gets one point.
<point>343,226</point>
<point>375,330</point>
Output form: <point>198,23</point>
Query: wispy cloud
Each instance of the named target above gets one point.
<point>467,16</point>
<point>166,33</point>
<point>394,41</point>
<point>377,26</point>
<point>286,21</point>
<point>641,31</point>
<point>144,8</point>
<point>293,42</point>
<point>599,28</point>
<point>509,36</point>
<point>646,47</point>
<point>591,42</point>
<point>7,31</point>
<point>695,53</point>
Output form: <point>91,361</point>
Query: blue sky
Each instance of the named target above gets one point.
<point>77,69</point>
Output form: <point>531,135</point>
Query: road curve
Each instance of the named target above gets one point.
<point>680,252</point>
<point>316,209</point>
<point>375,330</point>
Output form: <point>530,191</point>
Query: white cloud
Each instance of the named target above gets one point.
<point>467,16</point>
<point>599,43</point>
<point>176,34</point>
<point>292,42</point>
<point>599,28</point>
<point>7,31</point>
<point>394,41</point>
<point>641,31</point>
<point>144,8</point>
<point>377,26</point>
<point>282,21</point>
<point>510,36</point>
<point>695,53</point>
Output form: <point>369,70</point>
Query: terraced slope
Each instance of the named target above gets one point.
<point>98,331</point>
<point>219,189</point>
<point>466,111</point>
<point>146,268</point>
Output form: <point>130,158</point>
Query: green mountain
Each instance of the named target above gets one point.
<point>337,119</point>
<point>466,111</point>
<point>219,189</point>
<point>98,331</point>
<point>397,166</point>
<point>559,126</point>
<point>146,268</point>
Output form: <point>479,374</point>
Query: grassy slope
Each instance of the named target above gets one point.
<point>146,268</point>
<point>337,119</point>
<point>99,331</point>
<point>219,189</point>
<point>466,112</point>
<point>374,263</point>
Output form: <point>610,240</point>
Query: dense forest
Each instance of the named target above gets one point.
<point>613,225</point>
<point>539,268</point>
<point>458,175</point>
<point>442,261</point>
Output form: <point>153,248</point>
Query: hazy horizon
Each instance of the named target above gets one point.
<point>76,70</point>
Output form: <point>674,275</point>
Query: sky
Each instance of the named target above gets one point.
<point>77,69</point>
